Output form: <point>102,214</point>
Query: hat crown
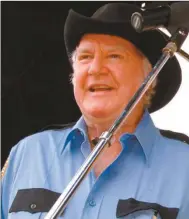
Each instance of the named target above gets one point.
<point>115,12</point>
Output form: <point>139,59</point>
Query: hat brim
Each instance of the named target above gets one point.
<point>150,43</point>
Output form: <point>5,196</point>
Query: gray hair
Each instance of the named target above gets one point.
<point>152,89</point>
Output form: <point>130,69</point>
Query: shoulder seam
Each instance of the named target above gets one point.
<point>174,135</point>
<point>57,126</point>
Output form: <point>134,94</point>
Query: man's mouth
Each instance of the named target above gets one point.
<point>98,88</point>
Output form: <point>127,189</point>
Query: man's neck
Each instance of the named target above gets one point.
<point>110,153</point>
<point>129,126</point>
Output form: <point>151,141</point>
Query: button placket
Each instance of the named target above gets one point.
<point>92,208</point>
<point>92,203</point>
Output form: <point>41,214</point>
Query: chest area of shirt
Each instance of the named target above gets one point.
<point>101,198</point>
<point>97,206</point>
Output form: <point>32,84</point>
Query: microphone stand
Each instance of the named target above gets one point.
<point>184,54</point>
<point>181,52</point>
<point>173,45</point>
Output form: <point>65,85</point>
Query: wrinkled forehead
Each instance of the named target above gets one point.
<point>107,42</point>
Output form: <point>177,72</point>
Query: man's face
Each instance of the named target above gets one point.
<point>107,72</point>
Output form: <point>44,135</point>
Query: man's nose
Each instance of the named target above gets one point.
<point>96,66</point>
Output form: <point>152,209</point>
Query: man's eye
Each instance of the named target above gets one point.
<point>115,56</point>
<point>84,57</point>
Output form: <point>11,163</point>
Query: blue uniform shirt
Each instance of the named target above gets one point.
<point>151,171</point>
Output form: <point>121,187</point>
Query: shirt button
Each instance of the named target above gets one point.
<point>33,206</point>
<point>92,203</point>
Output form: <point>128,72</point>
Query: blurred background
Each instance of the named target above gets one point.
<point>35,89</point>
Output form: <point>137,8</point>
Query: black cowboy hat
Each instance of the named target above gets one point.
<point>114,19</point>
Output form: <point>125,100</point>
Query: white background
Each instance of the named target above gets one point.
<point>175,115</point>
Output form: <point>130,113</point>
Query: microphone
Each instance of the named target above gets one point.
<point>172,17</point>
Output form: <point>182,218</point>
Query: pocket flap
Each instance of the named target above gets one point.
<point>128,206</point>
<point>34,200</point>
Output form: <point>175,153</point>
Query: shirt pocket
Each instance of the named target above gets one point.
<point>32,203</point>
<point>24,215</point>
<point>143,214</point>
<point>27,215</point>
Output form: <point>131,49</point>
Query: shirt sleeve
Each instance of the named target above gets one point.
<point>184,208</point>
<point>8,176</point>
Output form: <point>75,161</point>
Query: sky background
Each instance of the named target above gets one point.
<point>175,115</point>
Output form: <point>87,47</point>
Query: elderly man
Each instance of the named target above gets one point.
<point>142,174</point>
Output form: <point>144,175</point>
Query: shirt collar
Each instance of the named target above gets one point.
<point>78,129</point>
<point>146,133</point>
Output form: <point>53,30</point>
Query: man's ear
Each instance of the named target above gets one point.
<point>72,79</point>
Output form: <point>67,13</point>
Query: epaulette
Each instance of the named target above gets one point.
<point>4,168</point>
<point>57,126</point>
<point>175,135</point>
